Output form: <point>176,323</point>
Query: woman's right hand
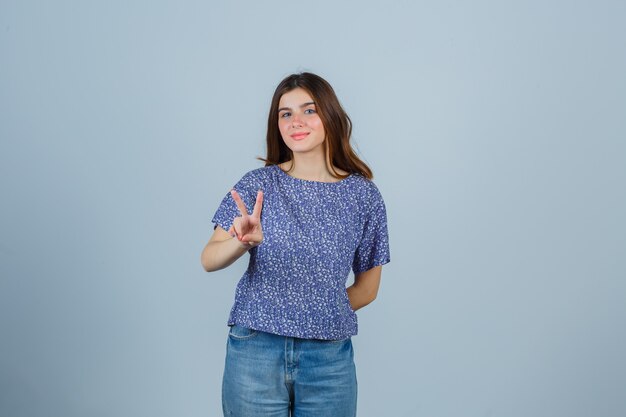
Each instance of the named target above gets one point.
<point>247,227</point>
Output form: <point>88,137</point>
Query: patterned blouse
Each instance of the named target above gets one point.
<point>313,234</point>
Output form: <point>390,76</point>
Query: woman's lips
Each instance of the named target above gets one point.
<point>299,136</point>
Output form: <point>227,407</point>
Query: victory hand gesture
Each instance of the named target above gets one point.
<point>247,227</point>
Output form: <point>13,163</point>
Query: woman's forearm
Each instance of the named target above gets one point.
<point>360,296</point>
<point>365,288</point>
<point>219,254</point>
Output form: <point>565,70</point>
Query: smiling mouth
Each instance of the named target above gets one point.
<point>299,136</point>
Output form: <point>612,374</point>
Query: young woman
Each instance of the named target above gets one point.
<point>307,218</point>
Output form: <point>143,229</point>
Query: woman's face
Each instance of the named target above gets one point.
<point>299,124</point>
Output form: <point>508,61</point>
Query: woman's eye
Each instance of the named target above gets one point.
<point>285,114</point>
<point>309,111</point>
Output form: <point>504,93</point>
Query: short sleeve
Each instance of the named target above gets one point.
<point>373,249</point>
<point>247,188</point>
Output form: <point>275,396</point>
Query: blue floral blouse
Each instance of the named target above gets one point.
<point>313,234</point>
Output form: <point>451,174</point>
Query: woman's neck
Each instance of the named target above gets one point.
<point>310,167</point>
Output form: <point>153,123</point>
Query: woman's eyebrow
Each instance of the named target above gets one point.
<point>308,103</point>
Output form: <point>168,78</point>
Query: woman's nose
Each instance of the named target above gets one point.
<point>296,121</point>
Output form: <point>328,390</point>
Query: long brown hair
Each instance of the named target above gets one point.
<point>337,125</point>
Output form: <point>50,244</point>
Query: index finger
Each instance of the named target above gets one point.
<point>240,204</point>
<point>258,205</point>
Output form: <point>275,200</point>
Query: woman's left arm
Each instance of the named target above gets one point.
<point>365,287</point>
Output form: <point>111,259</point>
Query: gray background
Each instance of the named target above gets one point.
<point>496,134</point>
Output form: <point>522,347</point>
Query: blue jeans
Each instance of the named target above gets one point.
<point>270,375</point>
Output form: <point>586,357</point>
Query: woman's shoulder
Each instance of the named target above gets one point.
<point>255,179</point>
<point>259,173</point>
<point>364,184</point>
